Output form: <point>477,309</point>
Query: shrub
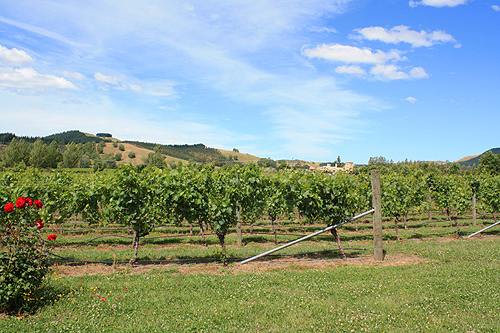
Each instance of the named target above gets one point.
<point>118,157</point>
<point>121,147</point>
<point>115,144</point>
<point>131,154</point>
<point>24,257</point>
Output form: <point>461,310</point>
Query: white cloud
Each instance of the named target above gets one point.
<point>393,72</point>
<point>107,79</point>
<point>14,56</point>
<point>28,78</point>
<point>73,75</point>
<point>418,73</point>
<point>438,3</point>
<point>323,29</point>
<point>412,100</point>
<point>389,72</point>
<point>496,8</point>
<point>355,70</point>
<point>402,34</point>
<point>350,54</point>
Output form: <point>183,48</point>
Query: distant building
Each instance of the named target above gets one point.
<point>348,167</point>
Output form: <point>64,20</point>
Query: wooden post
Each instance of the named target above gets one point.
<point>474,210</point>
<point>238,225</point>
<point>377,216</point>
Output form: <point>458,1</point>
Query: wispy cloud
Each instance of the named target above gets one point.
<point>224,50</point>
<point>351,54</point>
<point>438,3</point>
<point>403,34</point>
<point>28,78</point>
<point>496,8</point>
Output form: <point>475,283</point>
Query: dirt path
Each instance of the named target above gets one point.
<point>237,268</point>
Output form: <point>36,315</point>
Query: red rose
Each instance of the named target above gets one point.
<point>39,224</point>
<point>52,237</point>
<point>8,207</point>
<point>20,202</point>
<point>38,204</point>
<point>29,201</point>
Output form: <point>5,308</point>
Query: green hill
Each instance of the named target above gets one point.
<point>475,160</point>
<point>196,153</point>
<point>72,136</point>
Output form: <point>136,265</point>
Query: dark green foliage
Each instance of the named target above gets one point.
<point>71,136</point>
<point>490,162</point>
<point>131,154</point>
<point>6,138</point>
<point>104,135</point>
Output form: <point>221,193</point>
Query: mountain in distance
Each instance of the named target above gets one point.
<point>474,159</point>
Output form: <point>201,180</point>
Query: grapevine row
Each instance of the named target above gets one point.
<point>212,198</point>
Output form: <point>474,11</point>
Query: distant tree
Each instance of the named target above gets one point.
<point>236,150</point>
<point>37,156</point>
<point>118,157</point>
<point>53,156</point>
<point>378,160</point>
<point>17,152</point>
<point>131,154</point>
<point>115,144</point>
<point>266,163</point>
<point>490,162</point>
<point>85,161</point>
<point>453,168</point>
<point>100,150</point>
<point>156,158</point>
<point>72,155</point>
<point>173,165</point>
<point>121,147</point>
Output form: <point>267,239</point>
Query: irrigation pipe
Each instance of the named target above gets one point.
<point>307,237</point>
<point>490,226</point>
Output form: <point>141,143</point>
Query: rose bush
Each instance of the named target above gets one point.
<point>24,258</point>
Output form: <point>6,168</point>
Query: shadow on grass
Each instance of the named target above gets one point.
<point>47,295</point>
<point>219,258</point>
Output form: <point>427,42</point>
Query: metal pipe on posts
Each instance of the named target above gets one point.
<point>477,232</point>
<point>307,237</point>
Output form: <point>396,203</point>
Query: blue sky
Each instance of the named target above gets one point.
<point>285,79</point>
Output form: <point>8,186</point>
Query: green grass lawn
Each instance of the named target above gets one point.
<point>455,289</point>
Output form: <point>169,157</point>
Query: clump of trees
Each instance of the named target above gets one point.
<point>21,154</point>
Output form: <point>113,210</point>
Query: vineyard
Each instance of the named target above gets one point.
<point>207,205</point>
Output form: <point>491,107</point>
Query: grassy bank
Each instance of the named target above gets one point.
<point>454,289</point>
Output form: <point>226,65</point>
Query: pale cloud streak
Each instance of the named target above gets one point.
<point>438,3</point>
<point>403,34</point>
<point>353,69</point>
<point>351,54</point>
<point>28,78</point>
